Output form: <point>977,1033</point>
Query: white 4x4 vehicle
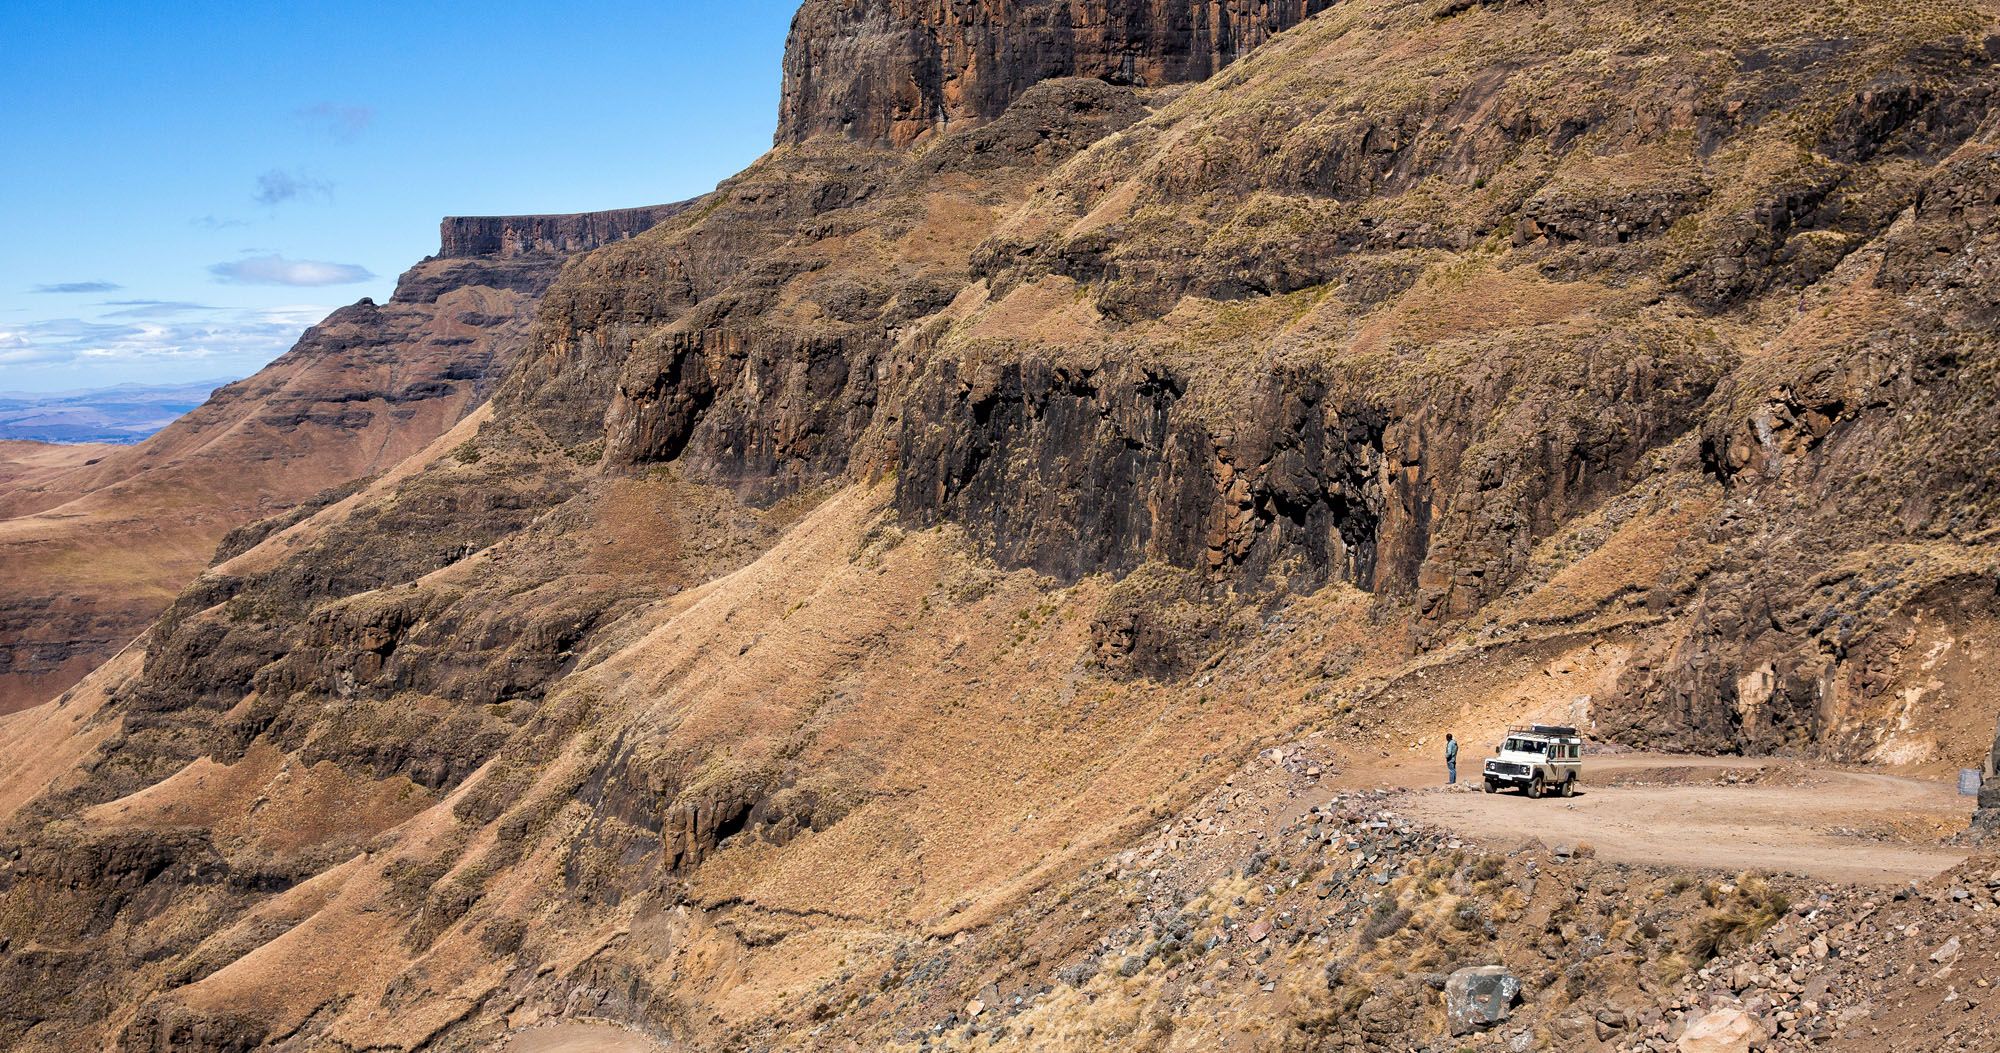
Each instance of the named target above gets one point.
<point>1539,758</point>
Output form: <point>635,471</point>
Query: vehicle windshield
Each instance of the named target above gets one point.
<point>1526,746</point>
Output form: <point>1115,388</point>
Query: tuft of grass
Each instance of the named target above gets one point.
<point>1387,920</point>
<point>1736,918</point>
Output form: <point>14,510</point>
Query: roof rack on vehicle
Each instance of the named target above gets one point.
<point>1558,730</point>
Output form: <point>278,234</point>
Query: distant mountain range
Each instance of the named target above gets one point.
<point>123,414</point>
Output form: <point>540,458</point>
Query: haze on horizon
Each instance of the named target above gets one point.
<point>204,182</point>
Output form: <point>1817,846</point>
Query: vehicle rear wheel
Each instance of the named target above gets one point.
<point>1492,787</point>
<point>1569,787</point>
<point>1535,789</point>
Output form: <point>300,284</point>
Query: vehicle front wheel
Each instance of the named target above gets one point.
<point>1535,789</point>
<point>1492,787</point>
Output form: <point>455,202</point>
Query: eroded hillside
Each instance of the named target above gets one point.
<point>954,586</point>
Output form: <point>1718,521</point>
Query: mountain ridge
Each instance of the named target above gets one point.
<point>973,586</point>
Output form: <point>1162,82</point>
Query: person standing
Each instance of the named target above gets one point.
<point>1450,760</point>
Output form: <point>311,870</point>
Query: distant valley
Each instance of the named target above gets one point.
<point>124,414</point>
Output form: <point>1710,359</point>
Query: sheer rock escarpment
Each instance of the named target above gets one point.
<point>520,237</point>
<point>892,72</point>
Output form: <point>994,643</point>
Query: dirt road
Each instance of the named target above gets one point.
<point>576,1037</point>
<point>1723,814</point>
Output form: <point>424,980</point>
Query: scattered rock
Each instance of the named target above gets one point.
<point>1479,997</point>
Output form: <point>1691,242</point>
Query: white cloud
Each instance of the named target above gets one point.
<point>298,315</point>
<point>212,222</point>
<point>79,287</point>
<point>14,356</point>
<point>151,308</point>
<point>276,187</point>
<point>274,269</point>
<point>244,337</point>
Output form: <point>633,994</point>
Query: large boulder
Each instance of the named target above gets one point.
<point>1720,1031</point>
<point>1479,997</point>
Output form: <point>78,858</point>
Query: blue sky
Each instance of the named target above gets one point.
<point>187,186</point>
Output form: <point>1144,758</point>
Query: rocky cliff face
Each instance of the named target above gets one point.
<point>891,72</point>
<point>1855,570</point>
<point>860,571</point>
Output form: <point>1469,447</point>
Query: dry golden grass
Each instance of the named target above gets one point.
<point>266,803</point>
<point>944,718</point>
